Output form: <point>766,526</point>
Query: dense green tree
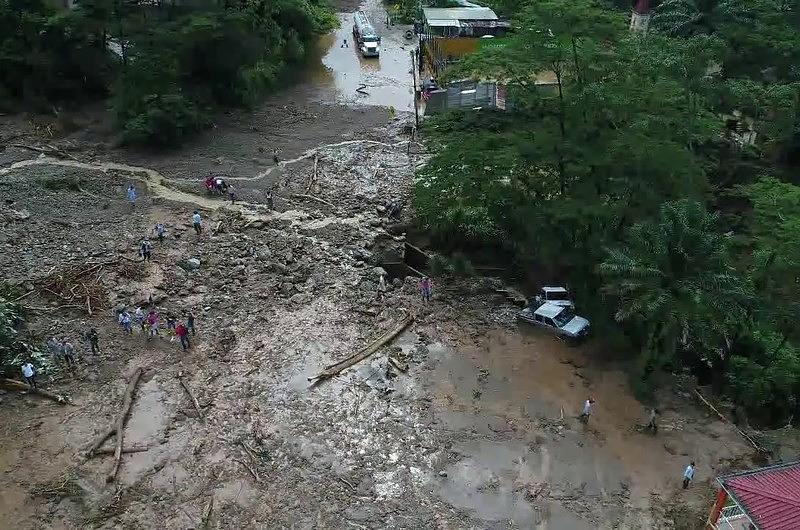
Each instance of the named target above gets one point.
<point>674,283</point>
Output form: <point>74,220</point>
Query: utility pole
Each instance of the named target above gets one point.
<point>414,78</point>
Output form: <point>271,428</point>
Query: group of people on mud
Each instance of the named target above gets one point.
<point>160,231</point>
<point>651,426</point>
<point>425,288</point>
<point>150,323</point>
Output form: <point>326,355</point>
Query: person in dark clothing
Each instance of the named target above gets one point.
<point>145,249</point>
<point>190,323</point>
<point>94,341</point>
<point>270,201</point>
<point>275,157</point>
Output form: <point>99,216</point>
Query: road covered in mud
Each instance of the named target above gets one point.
<point>464,421</point>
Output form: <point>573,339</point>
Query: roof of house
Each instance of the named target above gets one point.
<point>458,13</point>
<point>547,289</point>
<point>548,310</point>
<point>770,496</point>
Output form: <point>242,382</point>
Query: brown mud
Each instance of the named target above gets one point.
<point>481,432</point>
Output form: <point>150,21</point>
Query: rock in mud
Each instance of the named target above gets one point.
<point>191,264</point>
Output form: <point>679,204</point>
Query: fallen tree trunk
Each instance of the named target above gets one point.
<point>127,401</point>
<point>19,386</point>
<point>374,346</point>
<point>725,420</point>
<point>195,403</point>
<point>129,449</point>
<point>312,198</point>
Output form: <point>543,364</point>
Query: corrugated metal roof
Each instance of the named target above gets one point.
<point>458,13</point>
<point>770,496</point>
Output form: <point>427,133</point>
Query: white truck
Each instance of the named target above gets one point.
<point>557,319</point>
<point>556,295</point>
<point>369,43</point>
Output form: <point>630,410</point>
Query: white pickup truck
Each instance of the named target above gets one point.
<point>559,319</point>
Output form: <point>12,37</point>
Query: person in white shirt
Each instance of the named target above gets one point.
<point>381,287</point>
<point>587,410</point>
<point>688,475</point>
<point>197,222</point>
<point>29,373</point>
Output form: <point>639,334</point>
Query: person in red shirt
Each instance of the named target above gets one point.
<point>183,333</point>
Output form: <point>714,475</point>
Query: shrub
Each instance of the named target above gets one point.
<point>164,120</point>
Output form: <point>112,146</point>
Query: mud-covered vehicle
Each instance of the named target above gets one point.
<point>558,319</point>
<point>555,295</point>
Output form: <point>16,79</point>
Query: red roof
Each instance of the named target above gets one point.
<point>642,7</point>
<point>770,496</point>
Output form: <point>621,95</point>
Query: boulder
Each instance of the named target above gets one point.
<point>190,264</point>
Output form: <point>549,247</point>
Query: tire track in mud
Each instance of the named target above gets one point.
<point>156,181</point>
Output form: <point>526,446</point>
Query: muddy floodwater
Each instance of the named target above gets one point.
<point>385,80</point>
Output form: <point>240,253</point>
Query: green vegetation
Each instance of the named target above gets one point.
<point>168,67</point>
<point>630,179</point>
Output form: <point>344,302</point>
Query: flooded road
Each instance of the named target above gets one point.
<point>341,70</point>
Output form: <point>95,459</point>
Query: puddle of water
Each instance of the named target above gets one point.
<point>342,70</point>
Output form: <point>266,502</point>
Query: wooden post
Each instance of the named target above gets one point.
<point>414,78</point>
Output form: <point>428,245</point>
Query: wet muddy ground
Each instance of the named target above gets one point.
<point>480,432</point>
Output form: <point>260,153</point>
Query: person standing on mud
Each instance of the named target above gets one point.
<point>426,289</point>
<point>152,322</point>
<point>652,424</point>
<point>29,373</point>
<point>190,323</point>
<point>688,475</point>
<point>587,410</point>
<point>161,231</point>
<point>145,249</point>
<point>54,348</point>
<point>197,222</point>
<point>232,195</point>
<point>381,294</point>
<point>138,315</point>
<point>68,352</point>
<point>131,193</point>
<point>275,156</point>
<point>183,335</point>
<point>270,200</point>
<point>125,322</point>
<point>94,341</point>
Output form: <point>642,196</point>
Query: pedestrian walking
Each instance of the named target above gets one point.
<point>688,475</point>
<point>139,318</point>
<point>94,341</point>
<point>426,289</point>
<point>587,410</point>
<point>381,287</point>
<point>190,323</point>
<point>270,200</point>
<point>183,335</point>
<point>29,373</point>
<point>145,248</point>
<point>68,352</point>
<point>197,222</point>
<point>161,231</point>
<point>652,424</point>
<point>54,348</point>
<point>125,321</point>
<point>131,194</point>
<point>152,323</point>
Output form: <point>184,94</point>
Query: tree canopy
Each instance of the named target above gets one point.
<point>608,178</point>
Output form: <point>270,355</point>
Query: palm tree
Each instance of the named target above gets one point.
<point>690,17</point>
<point>674,283</point>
